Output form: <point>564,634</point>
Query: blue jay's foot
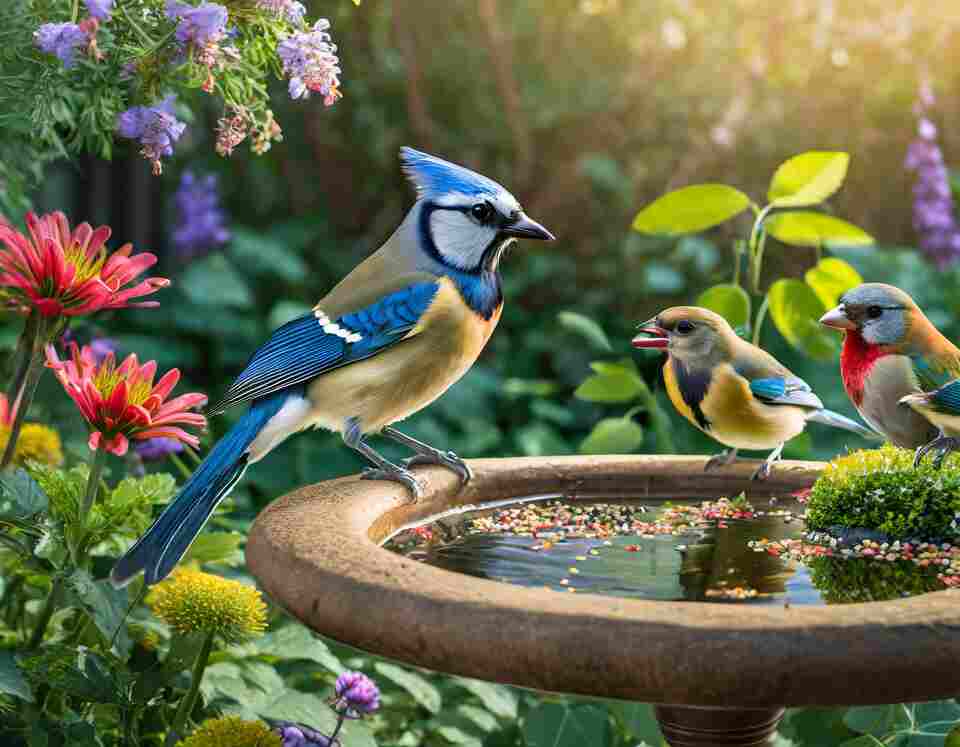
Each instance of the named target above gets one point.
<point>763,471</point>
<point>394,473</point>
<point>723,459</point>
<point>426,454</point>
<point>942,445</point>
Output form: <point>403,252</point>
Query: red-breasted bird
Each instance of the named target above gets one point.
<point>731,390</point>
<point>891,353</point>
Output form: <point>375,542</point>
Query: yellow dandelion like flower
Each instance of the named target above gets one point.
<point>39,443</point>
<point>232,731</point>
<point>192,601</point>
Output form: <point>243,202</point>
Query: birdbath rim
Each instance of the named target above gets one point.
<point>316,551</point>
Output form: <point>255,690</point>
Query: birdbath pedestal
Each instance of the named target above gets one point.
<point>722,674</point>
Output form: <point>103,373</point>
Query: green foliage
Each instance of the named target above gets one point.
<point>816,230</point>
<point>843,580</point>
<point>730,301</point>
<point>807,179</point>
<point>691,209</point>
<point>796,309</point>
<point>879,489</point>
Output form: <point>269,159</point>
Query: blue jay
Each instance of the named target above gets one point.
<point>387,341</point>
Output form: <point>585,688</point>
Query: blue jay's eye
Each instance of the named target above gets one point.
<point>482,211</point>
<point>684,326</point>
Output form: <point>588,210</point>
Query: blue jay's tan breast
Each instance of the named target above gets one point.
<point>408,376</point>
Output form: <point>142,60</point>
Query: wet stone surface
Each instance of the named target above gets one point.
<point>717,551</point>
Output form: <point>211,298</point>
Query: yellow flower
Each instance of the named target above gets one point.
<point>38,443</point>
<point>192,601</point>
<point>231,731</point>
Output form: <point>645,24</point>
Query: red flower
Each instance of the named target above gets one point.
<point>62,273</point>
<point>122,402</point>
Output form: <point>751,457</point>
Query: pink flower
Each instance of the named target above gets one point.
<point>64,273</point>
<point>122,402</point>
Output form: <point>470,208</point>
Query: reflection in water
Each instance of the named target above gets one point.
<point>711,562</point>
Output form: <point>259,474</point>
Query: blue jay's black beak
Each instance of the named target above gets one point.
<point>522,227</point>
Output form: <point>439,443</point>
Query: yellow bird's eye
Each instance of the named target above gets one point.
<point>684,326</point>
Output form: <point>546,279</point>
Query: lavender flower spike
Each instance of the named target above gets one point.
<point>100,9</point>
<point>155,449</point>
<point>155,127</point>
<point>205,23</point>
<point>62,40</point>
<point>933,206</point>
<point>310,61</point>
<point>355,695</point>
<point>200,221</point>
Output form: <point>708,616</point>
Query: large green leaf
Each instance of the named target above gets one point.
<point>265,254</point>
<point>107,606</point>
<point>796,310</point>
<point>830,279</point>
<point>878,721</point>
<point>563,725</point>
<point>613,382</point>
<point>729,301</point>
<point>613,436</point>
<point>12,681</point>
<point>214,281</point>
<point>419,687</point>
<point>691,209</point>
<point>310,709</point>
<point>498,699</point>
<point>586,328</point>
<point>807,228</point>
<point>292,641</point>
<point>22,496</point>
<point>808,179</point>
<point>216,547</point>
<point>638,720</point>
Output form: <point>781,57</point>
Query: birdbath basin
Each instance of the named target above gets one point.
<point>719,673</point>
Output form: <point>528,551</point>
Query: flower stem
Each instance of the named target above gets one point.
<point>183,468</point>
<point>336,730</point>
<point>49,607</point>
<point>136,27</point>
<point>93,484</point>
<point>190,699</point>
<point>21,356</point>
<point>761,315</point>
<point>28,389</point>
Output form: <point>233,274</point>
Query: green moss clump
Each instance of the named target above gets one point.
<point>879,489</point>
<point>845,580</point>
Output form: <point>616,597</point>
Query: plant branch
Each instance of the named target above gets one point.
<point>93,485</point>
<point>136,27</point>
<point>761,315</point>
<point>27,390</point>
<point>49,607</point>
<point>190,699</point>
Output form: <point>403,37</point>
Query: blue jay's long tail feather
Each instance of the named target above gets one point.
<point>835,419</point>
<point>162,546</point>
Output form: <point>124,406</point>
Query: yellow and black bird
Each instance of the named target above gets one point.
<point>731,390</point>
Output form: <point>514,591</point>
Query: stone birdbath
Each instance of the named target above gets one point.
<point>720,674</point>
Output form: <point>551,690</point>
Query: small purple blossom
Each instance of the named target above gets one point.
<point>102,347</point>
<point>100,9</point>
<point>355,695</point>
<point>290,9</point>
<point>202,24</point>
<point>200,220</point>
<point>62,40</point>
<point>310,61</point>
<point>299,735</point>
<point>155,127</point>
<point>933,207</point>
<point>155,449</point>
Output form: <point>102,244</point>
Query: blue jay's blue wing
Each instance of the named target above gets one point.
<point>310,345</point>
<point>781,390</point>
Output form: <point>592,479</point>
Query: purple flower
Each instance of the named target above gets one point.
<point>102,347</point>
<point>933,207</point>
<point>298,735</point>
<point>100,9</point>
<point>62,40</point>
<point>155,449</point>
<point>290,9</point>
<point>310,61</point>
<point>205,23</point>
<point>155,127</point>
<point>200,221</point>
<point>355,695</point>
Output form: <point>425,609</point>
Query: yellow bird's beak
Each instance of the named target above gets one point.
<point>652,336</point>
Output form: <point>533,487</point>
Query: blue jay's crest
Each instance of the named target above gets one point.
<point>434,177</point>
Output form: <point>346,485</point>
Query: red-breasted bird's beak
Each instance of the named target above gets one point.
<point>837,318</point>
<point>652,336</point>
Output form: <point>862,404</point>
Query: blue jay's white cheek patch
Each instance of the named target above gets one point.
<point>332,328</point>
<point>459,239</point>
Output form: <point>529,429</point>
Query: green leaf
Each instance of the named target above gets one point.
<point>729,301</point>
<point>613,382</point>
<point>23,493</point>
<point>830,279</point>
<point>613,436</point>
<point>419,687</point>
<point>216,547</point>
<point>638,720</point>
<point>562,725</point>
<point>286,311</point>
<point>265,255</point>
<point>529,387</point>
<point>877,721</point>
<point>12,681</point>
<point>586,328</point>
<point>796,310</point>
<point>806,228</point>
<point>691,209</point>
<point>540,439</point>
<point>307,708</point>
<point>953,738</point>
<point>214,281</point>
<point>498,699</point>
<point>106,605</point>
<point>292,642</point>
<point>808,179</point>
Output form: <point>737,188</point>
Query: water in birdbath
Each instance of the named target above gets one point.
<point>715,551</point>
